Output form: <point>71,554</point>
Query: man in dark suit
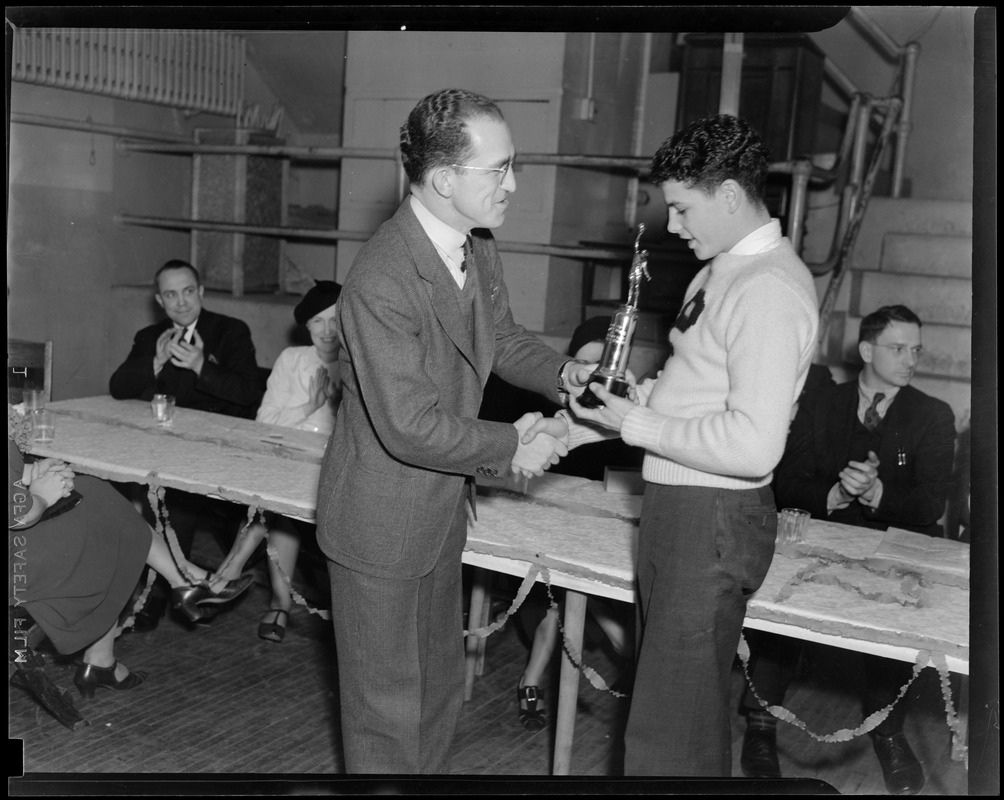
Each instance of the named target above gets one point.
<point>424,320</point>
<point>207,362</point>
<point>877,453</point>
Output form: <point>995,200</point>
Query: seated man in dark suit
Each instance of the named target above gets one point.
<point>877,453</point>
<point>207,362</point>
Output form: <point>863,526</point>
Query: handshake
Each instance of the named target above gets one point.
<point>543,441</point>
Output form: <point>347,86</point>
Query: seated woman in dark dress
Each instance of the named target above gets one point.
<point>74,570</point>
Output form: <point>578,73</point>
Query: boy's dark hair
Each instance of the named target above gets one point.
<point>710,151</point>
<point>878,321</point>
<point>176,263</point>
<point>436,131</point>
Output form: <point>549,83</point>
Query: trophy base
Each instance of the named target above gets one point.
<point>612,384</point>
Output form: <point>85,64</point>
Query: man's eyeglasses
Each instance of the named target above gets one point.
<point>901,349</point>
<point>500,171</point>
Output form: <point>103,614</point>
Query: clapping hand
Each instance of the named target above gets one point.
<point>858,477</point>
<point>537,450</point>
<point>319,389</point>
<point>188,355</point>
<point>163,351</point>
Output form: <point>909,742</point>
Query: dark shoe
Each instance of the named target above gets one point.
<point>532,718</point>
<point>188,599</point>
<point>274,631</point>
<point>759,754</point>
<point>89,678</point>
<point>900,767</point>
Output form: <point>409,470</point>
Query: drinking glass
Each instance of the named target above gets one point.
<point>43,425</point>
<point>34,399</point>
<point>163,409</point>
<point>791,525</point>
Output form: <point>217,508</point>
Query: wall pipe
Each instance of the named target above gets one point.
<point>337,153</point>
<point>93,127</point>
<point>288,232</point>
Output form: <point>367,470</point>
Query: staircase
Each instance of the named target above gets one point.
<point>917,253</point>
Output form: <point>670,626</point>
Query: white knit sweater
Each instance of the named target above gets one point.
<point>718,413</point>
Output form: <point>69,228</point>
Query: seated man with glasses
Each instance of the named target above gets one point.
<point>877,453</point>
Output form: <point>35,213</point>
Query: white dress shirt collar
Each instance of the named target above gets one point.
<point>449,242</point>
<point>764,238</point>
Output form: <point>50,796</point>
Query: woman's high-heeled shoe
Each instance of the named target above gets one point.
<point>90,677</point>
<point>532,718</point>
<point>187,599</point>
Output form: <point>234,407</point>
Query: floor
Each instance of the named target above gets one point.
<point>223,711</point>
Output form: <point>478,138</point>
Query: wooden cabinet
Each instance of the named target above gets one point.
<point>779,93</point>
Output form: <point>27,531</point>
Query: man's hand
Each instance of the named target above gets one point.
<point>553,426</point>
<point>610,415</point>
<point>858,477</point>
<point>575,377</point>
<point>164,342</point>
<point>188,356</point>
<point>543,450</point>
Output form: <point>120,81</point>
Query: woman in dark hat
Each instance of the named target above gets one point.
<point>303,391</point>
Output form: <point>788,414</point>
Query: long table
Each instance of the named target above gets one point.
<point>895,594</point>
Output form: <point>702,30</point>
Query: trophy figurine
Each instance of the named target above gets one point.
<point>612,371</point>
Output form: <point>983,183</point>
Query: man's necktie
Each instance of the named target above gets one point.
<point>872,418</point>
<point>467,253</point>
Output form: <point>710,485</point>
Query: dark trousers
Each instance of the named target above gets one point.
<point>400,652</point>
<point>701,553</point>
<point>774,660</point>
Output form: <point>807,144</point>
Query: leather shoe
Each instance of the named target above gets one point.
<point>759,753</point>
<point>900,767</point>
<point>190,599</point>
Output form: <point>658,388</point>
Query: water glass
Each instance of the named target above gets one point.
<point>43,426</point>
<point>791,525</point>
<point>163,409</point>
<point>34,399</point>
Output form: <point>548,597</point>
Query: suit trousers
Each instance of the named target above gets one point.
<point>701,553</point>
<point>400,651</point>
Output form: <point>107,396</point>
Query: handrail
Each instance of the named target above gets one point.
<point>851,233</point>
<point>906,56</point>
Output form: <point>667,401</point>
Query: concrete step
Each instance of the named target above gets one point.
<point>928,254</point>
<point>935,299</point>
<point>886,215</point>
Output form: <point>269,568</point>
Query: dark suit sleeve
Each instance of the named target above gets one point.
<point>915,493</point>
<point>135,377</point>
<point>798,480</point>
<point>230,370</point>
<point>520,357</point>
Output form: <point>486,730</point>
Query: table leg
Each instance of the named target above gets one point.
<point>479,596</point>
<point>568,687</point>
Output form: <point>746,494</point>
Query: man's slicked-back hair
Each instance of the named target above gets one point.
<point>436,130</point>
<point>880,319</point>
<point>712,150</point>
<point>175,263</point>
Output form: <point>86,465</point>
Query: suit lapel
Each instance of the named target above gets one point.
<point>442,287</point>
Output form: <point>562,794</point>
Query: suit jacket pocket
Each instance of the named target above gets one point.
<point>375,525</point>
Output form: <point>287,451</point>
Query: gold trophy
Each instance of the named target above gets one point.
<point>612,371</point>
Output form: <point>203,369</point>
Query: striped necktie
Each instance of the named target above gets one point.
<point>872,418</point>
